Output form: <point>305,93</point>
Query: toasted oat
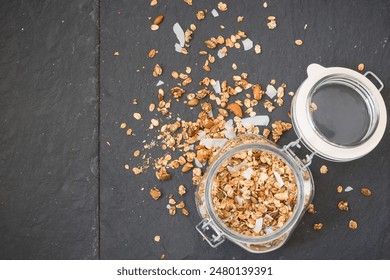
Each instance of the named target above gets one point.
<point>155,122</point>
<point>365,191</point>
<point>152,53</point>
<point>324,169</point>
<point>172,210</point>
<point>151,107</point>
<point>234,66</point>
<point>189,2</point>
<point>200,15</point>
<point>157,238</point>
<point>137,153</point>
<point>265,5</point>
<point>127,167</point>
<point>137,170</point>
<point>271,22</point>
<point>137,116</point>
<point>298,42</point>
<point>257,49</point>
<point>185,212</point>
<point>352,224</point>
<point>116,53</point>
<point>155,193</point>
<point>318,226</point>
<point>123,125</point>
<point>154,27</point>
<point>361,67</point>
<point>153,3</point>
<point>157,71</point>
<point>240,18</point>
<point>339,189</point>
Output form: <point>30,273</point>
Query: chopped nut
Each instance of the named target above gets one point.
<point>318,226</point>
<point>187,167</point>
<point>311,209</point>
<point>343,205</point>
<point>352,224</point>
<point>257,92</point>
<point>210,44</point>
<point>182,190</point>
<point>323,169</point>
<point>193,102</point>
<point>235,109</point>
<point>365,191</point>
<point>172,201</point>
<point>155,193</point>
<point>172,210</point>
<point>157,71</point>
<point>153,3</point>
<point>298,42</point>
<point>116,53</point>
<point>180,205</point>
<point>361,67</point>
<point>200,15</point>
<point>240,18</point>
<point>222,6</point>
<point>189,2</point>
<point>158,20</point>
<point>185,212</point>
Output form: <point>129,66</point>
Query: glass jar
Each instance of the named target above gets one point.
<point>337,113</point>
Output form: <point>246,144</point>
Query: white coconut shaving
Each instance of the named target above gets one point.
<point>268,230</point>
<point>221,54</point>
<point>247,173</point>
<point>258,225</point>
<point>247,44</point>
<point>239,200</point>
<point>179,34</point>
<point>169,206</point>
<point>236,167</point>
<point>214,12</point>
<point>348,189</point>
<point>210,114</point>
<point>191,147</point>
<point>210,143</point>
<point>271,91</point>
<point>266,216</point>
<point>201,135</point>
<point>229,130</point>
<point>257,120</point>
<point>178,48</point>
<point>197,163</point>
<point>278,179</point>
<point>159,83</point>
<point>217,87</point>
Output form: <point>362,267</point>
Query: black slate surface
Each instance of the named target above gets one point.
<point>48,130</point>
<point>52,74</point>
<point>338,34</point>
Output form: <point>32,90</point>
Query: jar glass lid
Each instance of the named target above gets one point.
<point>338,113</point>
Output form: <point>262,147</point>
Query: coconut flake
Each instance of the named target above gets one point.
<point>220,53</point>
<point>271,91</point>
<point>178,48</point>
<point>210,114</point>
<point>348,189</point>
<point>191,147</point>
<point>247,173</point>
<point>159,83</point>
<point>268,217</point>
<point>179,34</point>
<point>279,179</point>
<point>201,135</point>
<point>257,120</point>
<point>209,143</point>
<point>239,200</point>
<point>229,130</point>
<point>258,225</point>
<point>247,43</point>
<point>197,163</point>
<point>236,167</point>
<point>268,230</point>
<point>217,87</point>
<point>214,13</point>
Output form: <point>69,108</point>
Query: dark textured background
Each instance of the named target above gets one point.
<point>51,80</point>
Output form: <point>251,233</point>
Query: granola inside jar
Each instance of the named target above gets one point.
<point>253,194</point>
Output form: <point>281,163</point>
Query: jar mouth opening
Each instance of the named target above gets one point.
<point>289,224</point>
<point>342,111</point>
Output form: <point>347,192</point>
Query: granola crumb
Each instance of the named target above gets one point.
<point>182,190</point>
<point>155,193</point>
<point>352,224</point>
<point>157,238</point>
<point>324,169</point>
<point>311,209</point>
<point>343,205</point>
<point>240,18</point>
<point>116,53</point>
<point>365,191</point>
<point>222,6</point>
<point>339,189</point>
<point>318,226</point>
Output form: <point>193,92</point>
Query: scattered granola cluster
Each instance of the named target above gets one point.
<point>254,192</point>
